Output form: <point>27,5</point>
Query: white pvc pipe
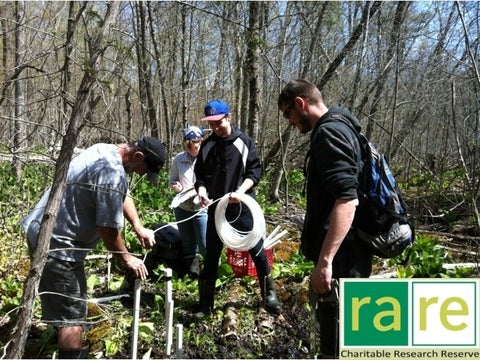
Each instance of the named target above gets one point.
<point>271,245</point>
<point>272,234</point>
<point>274,240</point>
<point>278,236</point>
<point>453,266</point>
<point>136,316</point>
<point>169,340</point>
<point>109,268</point>
<point>179,351</point>
<point>168,310</point>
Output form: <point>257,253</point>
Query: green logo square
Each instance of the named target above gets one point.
<point>375,313</point>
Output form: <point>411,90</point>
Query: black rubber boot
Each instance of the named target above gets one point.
<point>207,294</point>
<point>269,296</point>
<point>81,353</point>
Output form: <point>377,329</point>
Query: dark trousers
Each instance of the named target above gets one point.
<point>353,260</point>
<point>240,218</point>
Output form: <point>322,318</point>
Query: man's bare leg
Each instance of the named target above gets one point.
<point>70,337</point>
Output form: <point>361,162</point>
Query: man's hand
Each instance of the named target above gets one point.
<point>135,265</point>
<point>234,197</point>
<point>203,196</point>
<point>114,242</point>
<point>321,279</point>
<point>146,237</point>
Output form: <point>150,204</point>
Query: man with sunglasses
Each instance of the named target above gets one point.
<point>228,162</point>
<point>332,169</point>
<point>93,207</point>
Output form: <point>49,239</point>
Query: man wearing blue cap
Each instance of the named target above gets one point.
<point>93,207</point>
<point>191,216</point>
<point>228,162</point>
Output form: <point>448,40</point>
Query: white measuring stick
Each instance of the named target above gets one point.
<point>179,352</point>
<point>168,311</point>
<point>136,316</point>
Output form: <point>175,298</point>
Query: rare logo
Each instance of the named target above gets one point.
<point>396,313</point>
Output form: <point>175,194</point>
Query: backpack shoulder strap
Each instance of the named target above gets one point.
<point>338,116</point>
<point>362,139</point>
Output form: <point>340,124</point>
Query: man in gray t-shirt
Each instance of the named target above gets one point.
<point>93,207</point>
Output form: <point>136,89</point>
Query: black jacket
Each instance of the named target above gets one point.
<point>223,163</point>
<point>332,167</point>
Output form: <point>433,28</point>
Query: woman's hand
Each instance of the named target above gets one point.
<point>176,186</point>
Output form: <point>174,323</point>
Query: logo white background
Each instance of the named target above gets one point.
<point>444,295</point>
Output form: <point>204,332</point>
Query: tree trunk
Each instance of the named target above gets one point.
<point>283,138</point>
<point>368,12</point>
<point>402,8</point>
<point>22,327</point>
<point>19,126</point>
<point>161,80</point>
<point>144,71</point>
<point>183,47</point>
<point>253,39</point>
<point>472,185</point>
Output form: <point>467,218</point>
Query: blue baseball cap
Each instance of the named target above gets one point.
<point>216,110</point>
<point>192,132</point>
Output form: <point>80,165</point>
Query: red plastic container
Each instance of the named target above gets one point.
<point>242,263</point>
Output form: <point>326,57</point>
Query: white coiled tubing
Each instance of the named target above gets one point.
<point>235,239</point>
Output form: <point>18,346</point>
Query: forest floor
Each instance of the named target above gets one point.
<point>237,329</point>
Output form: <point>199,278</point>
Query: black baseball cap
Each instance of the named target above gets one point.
<point>155,156</point>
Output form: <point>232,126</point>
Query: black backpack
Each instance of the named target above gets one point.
<point>381,219</point>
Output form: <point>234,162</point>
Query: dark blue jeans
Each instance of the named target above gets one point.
<point>192,231</point>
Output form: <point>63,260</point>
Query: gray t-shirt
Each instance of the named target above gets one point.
<point>96,188</point>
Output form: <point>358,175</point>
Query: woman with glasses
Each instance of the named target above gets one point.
<point>191,216</point>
